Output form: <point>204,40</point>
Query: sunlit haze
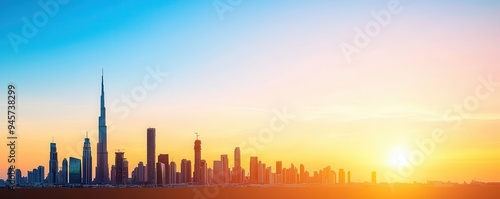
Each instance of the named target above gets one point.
<point>270,77</point>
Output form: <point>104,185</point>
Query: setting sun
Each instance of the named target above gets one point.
<point>398,157</point>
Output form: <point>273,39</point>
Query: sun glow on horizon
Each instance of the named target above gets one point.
<point>397,157</point>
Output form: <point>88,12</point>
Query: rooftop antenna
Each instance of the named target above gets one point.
<point>87,136</point>
<point>197,135</point>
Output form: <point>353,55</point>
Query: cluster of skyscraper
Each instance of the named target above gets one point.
<point>158,171</point>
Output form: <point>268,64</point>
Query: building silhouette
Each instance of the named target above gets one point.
<point>218,173</point>
<point>302,174</point>
<point>102,169</point>
<point>75,171</point>
<point>374,177</point>
<point>341,176</point>
<point>162,168</point>
<point>237,172</point>
<point>173,173</point>
<point>225,168</point>
<point>113,174</point>
<point>141,173</point>
<point>254,170</point>
<point>203,172</point>
<point>41,172</point>
<point>185,171</point>
<point>119,171</point>
<point>64,172</point>
<point>53,168</point>
<point>197,162</point>
<point>151,155</point>
<point>19,176</point>
<point>87,161</point>
<point>279,170</point>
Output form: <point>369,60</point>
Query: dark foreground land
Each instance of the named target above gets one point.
<point>351,192</point>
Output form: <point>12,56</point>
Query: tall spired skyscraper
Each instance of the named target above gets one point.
<point>198,179</point>
<point>102,169</point>
<point>87,162</point>
<point>53,164</point>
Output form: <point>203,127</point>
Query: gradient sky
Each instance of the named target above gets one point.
<point>226,77</point>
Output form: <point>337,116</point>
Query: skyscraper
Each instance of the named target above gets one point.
<point>225,168</point>
<point>87,161</point>
<point>254,170</point>
<point>341,176</point>
<point>185,171</point>
<point>279,175</point>
<point>141,171</point>
<point>197,161</point>
<point>125,170</point>
<point>119,157</point>
<point>151,155</point>
<point>162,174</point>
<point>53,164</point>
<point>64,172</point>
<point>102,169</point>
<point>237,177</point>
<point>302,174</point>
<point>75,171</point>
<point>218,173</point>
<point>41,172</point>
<point>19,175</point>
<point>173,171</point>
<point>374,177</point>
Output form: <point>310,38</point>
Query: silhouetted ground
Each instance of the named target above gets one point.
<point>351,192</point>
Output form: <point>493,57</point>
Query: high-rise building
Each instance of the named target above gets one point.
<point>53,164</point>
<point>279,175</point>
<point>348,177</point>
<point>218,173</point>
<point>254,170</point>
<point>160,177</point>
<point>341,176</point>
<point>102,169</point>
<point>237,176</point>
<point>41,172</point>
<point>225,168</point>
<point>162,174</point>
<point>188,174</point>
<point>204,174</point>
<point>260,171</point>
<point>302,174</point>
<point>374,177</point>
<point>19,175</point>
<point>75,171</point>
<point>125,170</point>
<point>64,172</point>
<point>87,161</point>
<point>151,155</point>
<point>141,173</point>
<point>173,171</point>
<point>113,174</point>
<point>197,161</point>
<point>119,158</point>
